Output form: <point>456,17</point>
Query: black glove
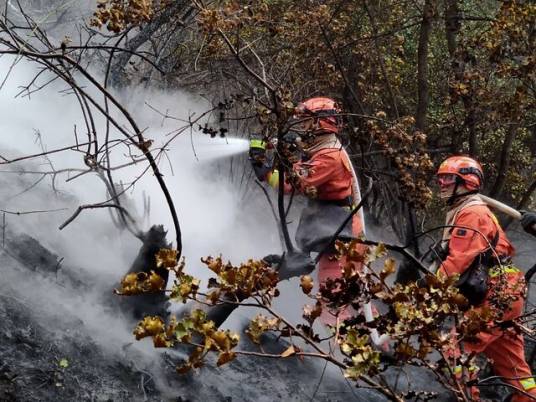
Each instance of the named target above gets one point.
<point>257,155</point>
<point>407,272</point>
<point>295,264</point>
<point>528,221</point>
<point>261,170</point>
<point>439,252</point>
<point>274,260</point>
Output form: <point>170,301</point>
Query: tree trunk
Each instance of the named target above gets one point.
<point>145,34</point>
<point>525,200</point>
<point>381,63</point>
<point>504,161</point>
<point>422,66</point>
<point>452,25</point>
<point>452,29</point>
<point>470,123</point>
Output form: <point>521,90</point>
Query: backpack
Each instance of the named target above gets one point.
<point>473,283</point>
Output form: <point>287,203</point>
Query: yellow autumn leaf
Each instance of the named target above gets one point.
<point>155,282</point>
<point>306,283</point>
<point>220,338</point>
<point>166,257</point>
<point>289,351</point>
<point>149,326</point>
<point>225,357</point>
<point>389,267</point>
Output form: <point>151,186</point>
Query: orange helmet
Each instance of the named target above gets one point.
<point>325,110</point>
<point>466,168</point>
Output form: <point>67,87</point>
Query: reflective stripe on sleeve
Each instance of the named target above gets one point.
<point>528,383</point>
<point>496,271</point>
<point>273,178</point>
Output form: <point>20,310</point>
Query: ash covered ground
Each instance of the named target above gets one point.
<point>51,351</point>
<point>64,339</point>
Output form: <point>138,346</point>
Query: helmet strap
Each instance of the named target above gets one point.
<point>454,196</point>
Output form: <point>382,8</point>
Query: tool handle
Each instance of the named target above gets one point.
<point>514,213</point>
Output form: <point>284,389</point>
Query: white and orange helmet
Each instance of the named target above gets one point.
<point>465,168</point>
<point>324,110</point>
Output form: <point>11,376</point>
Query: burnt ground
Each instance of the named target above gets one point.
<point>31,356</point>
<point>62,341</point>
<point>63,337</point>
<point>52,349</point>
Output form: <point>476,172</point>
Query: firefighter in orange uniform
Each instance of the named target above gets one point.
<point>325,174</point>
<point>475,234</point>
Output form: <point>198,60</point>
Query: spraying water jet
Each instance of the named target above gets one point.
<point>219,148</point>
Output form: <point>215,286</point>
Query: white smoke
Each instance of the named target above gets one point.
<point>220,209</point>
<point>214,219</point>
<point>207,206</point>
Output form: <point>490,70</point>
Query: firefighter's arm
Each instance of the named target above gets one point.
<point>258,159</point>
<point>262,166</point>
<point>465,244</point>
<point>314,173</point>
<point>307,176</point>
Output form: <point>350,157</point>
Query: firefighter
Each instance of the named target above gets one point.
<point>324,175</point>
<point>473,231</point>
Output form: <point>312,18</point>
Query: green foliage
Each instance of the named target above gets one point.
<point>415,320</point>
<point>364,358</point>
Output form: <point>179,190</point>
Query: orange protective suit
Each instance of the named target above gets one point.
<point>504,348</point>
<point>328,172</point>
<point>328,175</point>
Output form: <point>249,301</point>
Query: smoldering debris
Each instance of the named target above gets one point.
<point>36,365</point>
<point>55,349</point>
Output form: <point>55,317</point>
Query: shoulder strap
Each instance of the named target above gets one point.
<point>488,257</point>
<point>495,239</point>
